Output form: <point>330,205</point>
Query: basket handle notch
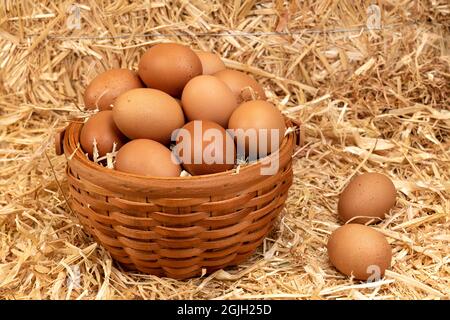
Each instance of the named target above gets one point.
<point>59,141</point>
<point>298,132</point>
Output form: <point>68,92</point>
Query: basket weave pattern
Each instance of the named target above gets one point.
<point>176,227</point>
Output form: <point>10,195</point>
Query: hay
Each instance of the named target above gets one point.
<point>371,100</point>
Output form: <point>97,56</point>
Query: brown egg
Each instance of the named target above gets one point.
<point>204,147</point>
<point>211,62</point>
<point>148,158</point>
<point>107,86</point>
<point>360,251</point>
<point>179,102</point>
<point>259,128</point>
<point>369,195</point>
<point>207,98</point>
<point>102,128</point>
<point>244,86</point>
<point>148,114</point>
<point>168,67</point>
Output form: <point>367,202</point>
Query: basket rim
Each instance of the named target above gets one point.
<point>124,182</point>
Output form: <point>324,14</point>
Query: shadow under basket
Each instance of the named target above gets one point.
<point>176,227</point>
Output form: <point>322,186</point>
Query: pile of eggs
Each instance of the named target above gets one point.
<point>139,113</point>
<point>175,87</point>
<point>356,249</point>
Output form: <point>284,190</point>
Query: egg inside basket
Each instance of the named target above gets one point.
<point>176,225</point>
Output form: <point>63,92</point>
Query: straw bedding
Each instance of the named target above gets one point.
<point>370,100</point>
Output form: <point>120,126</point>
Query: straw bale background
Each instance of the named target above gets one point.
<point>370,101</point>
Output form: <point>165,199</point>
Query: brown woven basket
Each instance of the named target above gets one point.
<point>176,227</point>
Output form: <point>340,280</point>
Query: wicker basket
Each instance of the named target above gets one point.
<point>176,227</point>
